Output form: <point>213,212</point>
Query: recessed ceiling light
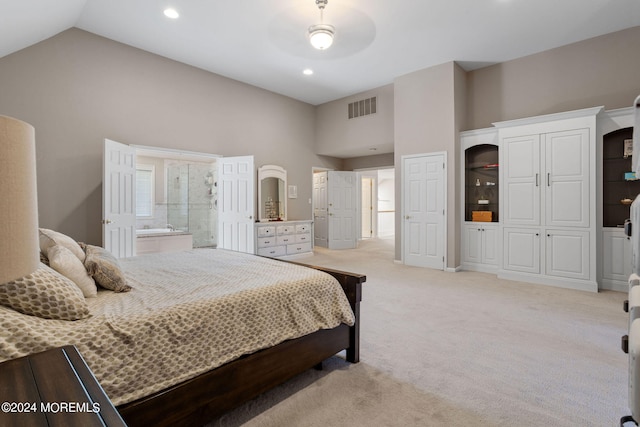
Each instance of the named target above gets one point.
<point>171,13</point>
<point>307,72</point>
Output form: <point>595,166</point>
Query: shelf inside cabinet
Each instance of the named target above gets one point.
<point>481,180</point>
<point>615,187</point>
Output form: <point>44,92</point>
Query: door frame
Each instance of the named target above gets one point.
<point>445,201</point>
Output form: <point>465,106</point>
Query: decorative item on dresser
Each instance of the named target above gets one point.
<point>285,238</point>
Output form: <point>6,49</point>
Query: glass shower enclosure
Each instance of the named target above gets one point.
<point>192,200</point>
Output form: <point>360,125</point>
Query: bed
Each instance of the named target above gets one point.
<point>200,332</point>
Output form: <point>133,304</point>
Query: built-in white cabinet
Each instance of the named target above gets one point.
<point>616,259</point>
<point>480,241</point>
<point>548,206</point>
<point>480,246</point>
<point>566,252</point>
<point>550,168</point>
<point>526,258</point>
<point>615,192</point>
<point>283,238</point>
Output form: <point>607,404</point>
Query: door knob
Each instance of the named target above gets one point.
<point>107,221</point>
<point>407,217</point>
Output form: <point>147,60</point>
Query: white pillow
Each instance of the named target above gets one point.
<point>49,238</point>
<point>66,263</point>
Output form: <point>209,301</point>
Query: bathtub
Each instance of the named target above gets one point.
<point>151,240</point>
<point>157,231</point>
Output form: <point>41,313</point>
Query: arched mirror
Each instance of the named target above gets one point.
<point>272,193</point>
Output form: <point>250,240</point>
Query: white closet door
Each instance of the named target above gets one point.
<point>521,180</point>
<point>566,178</point>
<point>424,210</point>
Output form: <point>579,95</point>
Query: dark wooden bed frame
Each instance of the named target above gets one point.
<point>200,399</point>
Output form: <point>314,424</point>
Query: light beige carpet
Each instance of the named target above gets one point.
<point>441,349</point>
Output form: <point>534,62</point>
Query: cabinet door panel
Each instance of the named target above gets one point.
<point>567,178</point>
<point>472,246</point>
<point>490,245</point>
<point>567,253</point>
<point>521,250</point>
<point>616,256</point>
<point>521,180</point>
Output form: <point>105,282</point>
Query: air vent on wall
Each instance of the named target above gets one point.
<point>363,107</point>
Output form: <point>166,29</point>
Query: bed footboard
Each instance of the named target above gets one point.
<point>199,400</point>
<point>352,286</point>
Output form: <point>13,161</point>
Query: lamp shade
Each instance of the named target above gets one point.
<point>19,243</point>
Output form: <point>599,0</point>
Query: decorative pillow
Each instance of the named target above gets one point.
<point>44,259</point>
<point>45,293</point>
<point>105,269</point>
<point>66,263</point>
<point>49,238</point>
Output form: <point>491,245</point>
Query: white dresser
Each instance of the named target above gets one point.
<point>283,238</point>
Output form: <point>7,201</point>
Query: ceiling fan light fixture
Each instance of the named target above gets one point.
<point>171,13</point>
<point>321,36</point>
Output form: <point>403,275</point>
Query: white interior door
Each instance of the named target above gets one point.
<point>118,199</point>
<point>236,203</point>
<point>424,210</point>
<point>320,224</point>
<point>342,200</point>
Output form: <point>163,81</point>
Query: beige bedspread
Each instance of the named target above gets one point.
<point>188,313</point>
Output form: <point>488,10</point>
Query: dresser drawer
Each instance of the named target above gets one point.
<point>265,242</point>
<point>285,229</point>
<point>302,238</point>
<point>273,251</point>
<point>286,240</point>
<point>298,248</point>
<point>266,231</point>
<point>303,228</point>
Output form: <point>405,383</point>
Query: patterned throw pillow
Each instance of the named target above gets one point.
<point>45,293</point>
<point>105,269</point>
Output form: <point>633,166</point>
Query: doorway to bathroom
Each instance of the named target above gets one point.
<point>177,190</point>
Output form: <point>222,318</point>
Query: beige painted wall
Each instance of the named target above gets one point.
<point>78,88</point>
<point>336,134</point>
<point>378,161</point>
<point>600,71</point>
<point>425,122</point>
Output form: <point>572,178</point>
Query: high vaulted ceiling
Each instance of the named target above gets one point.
<point>264,43</point>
